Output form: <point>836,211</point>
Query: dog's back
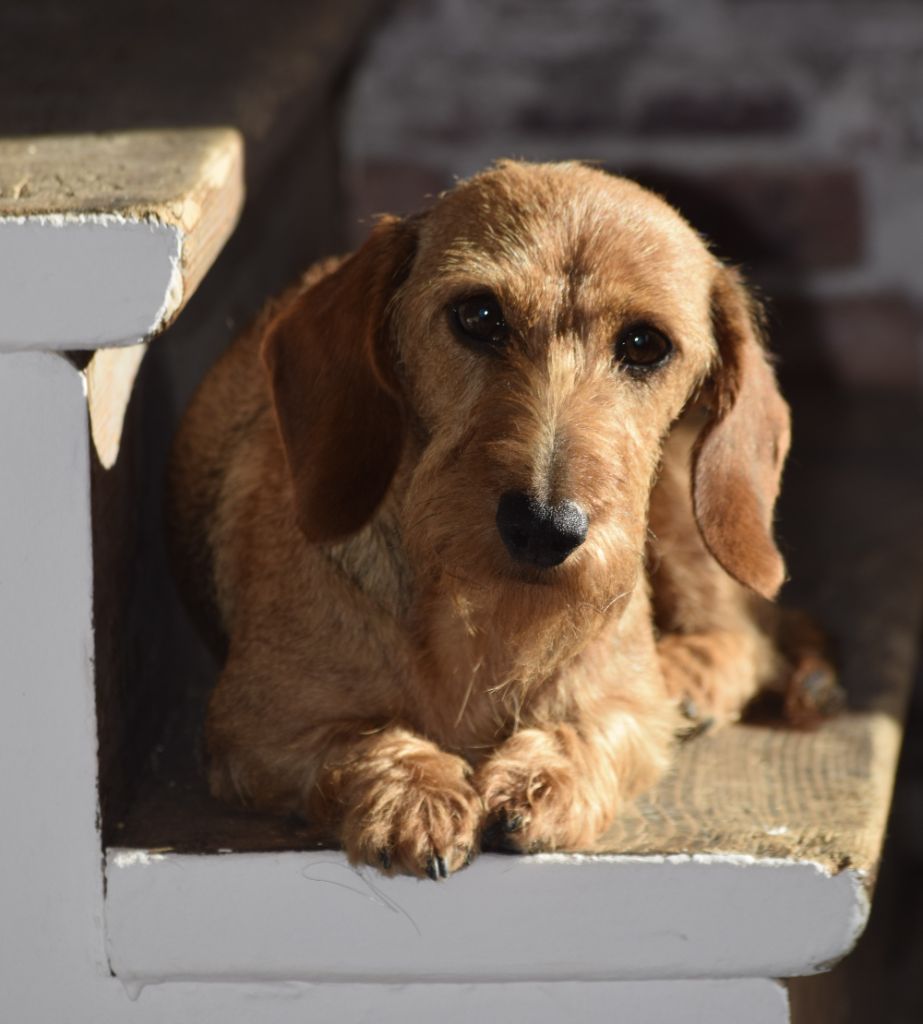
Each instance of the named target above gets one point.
<point>222,417</point>
<point>227,403</point>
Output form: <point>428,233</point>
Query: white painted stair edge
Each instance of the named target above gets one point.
<point>311,916</point>
<point>87,280</point>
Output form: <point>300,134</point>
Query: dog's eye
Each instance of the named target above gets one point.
<point>641,348</point>
<point>480,320</point>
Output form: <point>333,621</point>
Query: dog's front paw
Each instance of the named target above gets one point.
<point>418,815</point>
<point>535,799</point>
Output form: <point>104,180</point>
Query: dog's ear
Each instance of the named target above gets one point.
<point>333,385</point>
<point>737,462</point>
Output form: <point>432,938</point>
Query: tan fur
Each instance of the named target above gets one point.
<point>391,673</point>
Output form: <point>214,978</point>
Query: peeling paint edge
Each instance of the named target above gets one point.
<point>859,915</point>
<point>175,293</point>
<point>717,858</point>
<point>60,220</point>
<point>127,858</point>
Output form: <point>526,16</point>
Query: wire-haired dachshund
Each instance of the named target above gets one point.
<point>473,513</point>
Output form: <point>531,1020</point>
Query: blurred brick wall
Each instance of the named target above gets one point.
<point>790,132</point>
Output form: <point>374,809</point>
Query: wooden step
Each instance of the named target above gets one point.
<point>104,238</point>
<point>103,241</point>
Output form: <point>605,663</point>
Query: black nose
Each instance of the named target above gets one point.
<point>540,534</point>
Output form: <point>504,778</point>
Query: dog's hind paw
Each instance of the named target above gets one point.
<point>813,692</point>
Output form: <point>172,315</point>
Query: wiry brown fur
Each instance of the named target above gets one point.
<point>390,671</point>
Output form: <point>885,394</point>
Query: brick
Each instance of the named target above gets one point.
<point>788,218</point>
<point>390,186</point>
<point>584,100</point>
<point>872,340</point>
<point>718,111</point>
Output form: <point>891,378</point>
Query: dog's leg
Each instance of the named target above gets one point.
<point>719,643</point>
<point>404,804</point>
<point>713,673</point>
<point>561,786</point>
<point>390,797</point>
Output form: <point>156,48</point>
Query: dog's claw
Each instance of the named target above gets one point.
<point>699,727</point>
<point>696,722</point>
<point>384,858</point>
<point>814,693</point>
<point>821,689</point>
<point>499,834</point>
<point>431,870</point>
<point>689,709</point>
<point>469,857</point>
<point>441,865</point>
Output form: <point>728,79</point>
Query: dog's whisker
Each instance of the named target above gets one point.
<point>602,609</point>
<point>465,699</point>
<point>458,577</point>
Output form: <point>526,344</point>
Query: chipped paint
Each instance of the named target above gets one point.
<point>705,859</point>
<point>134,858</point>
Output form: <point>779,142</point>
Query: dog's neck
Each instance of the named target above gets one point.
<point>500,654</point>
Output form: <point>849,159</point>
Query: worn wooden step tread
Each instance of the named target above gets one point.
<point>104,238</point>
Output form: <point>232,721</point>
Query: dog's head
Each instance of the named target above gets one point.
<point>519,353</point>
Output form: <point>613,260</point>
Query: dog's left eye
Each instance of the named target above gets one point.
<point>641,348</point>
<point>480,320</point>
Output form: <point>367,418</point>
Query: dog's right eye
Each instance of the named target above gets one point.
<point>479,323</point>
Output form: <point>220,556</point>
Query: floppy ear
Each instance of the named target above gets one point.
<point>334,392</point>
<point>737,463</point>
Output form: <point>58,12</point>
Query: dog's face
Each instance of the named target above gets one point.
<point>526,345</point>
<point>553,325</point>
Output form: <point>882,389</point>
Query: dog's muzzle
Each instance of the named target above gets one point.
<point>538,534</point>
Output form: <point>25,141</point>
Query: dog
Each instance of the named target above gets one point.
<point>479,516</point>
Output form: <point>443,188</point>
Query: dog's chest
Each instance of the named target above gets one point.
<point>474,684</point>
